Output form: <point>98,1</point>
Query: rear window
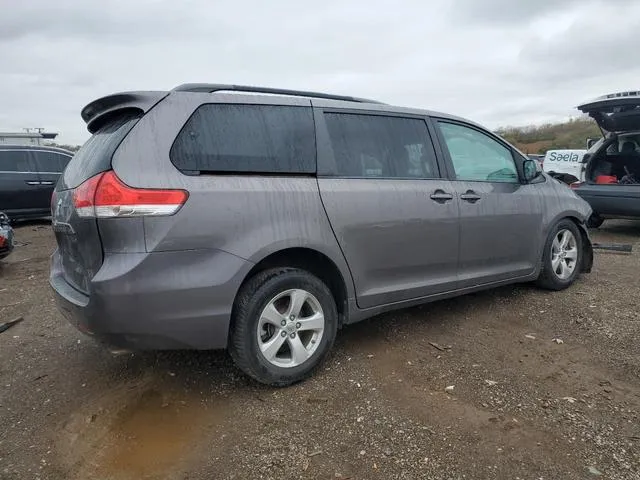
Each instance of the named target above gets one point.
<point>246,139</point>
<point>15,161</point>
<point>95,155</point>
<point>51,162</point>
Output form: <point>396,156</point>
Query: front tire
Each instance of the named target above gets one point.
<point>284,324</point>
<point>562,257</point>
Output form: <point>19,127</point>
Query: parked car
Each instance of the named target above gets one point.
<point>565,165</point>
<point>204,218</point>
<point>6,236</point>
<point>28,174</point>
<point>611,182</point>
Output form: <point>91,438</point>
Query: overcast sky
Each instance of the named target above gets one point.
<point>498,62</point>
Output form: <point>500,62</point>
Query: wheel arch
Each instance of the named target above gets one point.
<point>587,250</point>
<point>315,262</point>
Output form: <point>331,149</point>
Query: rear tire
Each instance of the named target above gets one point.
<point>562,256</point>
<point>595,221</point>
<point>284,324</point>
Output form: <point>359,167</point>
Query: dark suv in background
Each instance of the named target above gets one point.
<point>28,175</point>
<point>204,218</point>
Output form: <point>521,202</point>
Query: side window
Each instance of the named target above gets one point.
<point>248,139</point>
<point>51,162</point>
<point>476,156</point>
<point>379,146</point>
<point>15,161</point>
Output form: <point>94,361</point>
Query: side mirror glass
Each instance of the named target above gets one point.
<point>590,142</point>
<point>530,168</point>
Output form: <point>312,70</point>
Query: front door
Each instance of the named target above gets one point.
<point>500,217</point>
<point>395,217</point>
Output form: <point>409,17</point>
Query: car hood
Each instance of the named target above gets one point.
<point>615,112</point>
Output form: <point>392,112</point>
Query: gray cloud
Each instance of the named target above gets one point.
<point>516,12</point>
<point>57,57</point>
<point>606,44</point>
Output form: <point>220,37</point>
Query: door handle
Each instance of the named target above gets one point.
<point>32,182</point>
<point>470,196</point>
<point>441,196</point>
<point>46,183</point>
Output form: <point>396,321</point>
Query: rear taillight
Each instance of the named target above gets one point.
<point>575,185</point>
<point>105,196</point>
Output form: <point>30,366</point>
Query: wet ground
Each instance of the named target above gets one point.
<point>541,385</point>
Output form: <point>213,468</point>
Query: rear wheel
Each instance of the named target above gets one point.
<point>285,322</point>
<point>562,257</point>
<point>594,221</point>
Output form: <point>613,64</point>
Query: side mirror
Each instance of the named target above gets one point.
<point>530,168</point>
<point>590,142</point>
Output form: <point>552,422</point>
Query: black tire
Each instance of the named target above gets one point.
<point>252,299</point>
<point>548,279</point>
<point>594,221</point>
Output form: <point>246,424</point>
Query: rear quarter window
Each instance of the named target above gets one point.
<point>51,162</point>
<point>95,155</point>
<point>246,139</point>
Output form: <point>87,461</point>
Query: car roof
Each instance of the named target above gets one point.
<point>45,148</point>
<point>142,101</point>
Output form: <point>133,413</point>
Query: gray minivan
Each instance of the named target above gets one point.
<point>262,220</point>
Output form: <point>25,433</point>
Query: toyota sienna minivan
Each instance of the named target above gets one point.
<point>263,220</point>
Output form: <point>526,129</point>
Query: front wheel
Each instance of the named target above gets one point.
<point>284,324</point>
<point>562,256</point>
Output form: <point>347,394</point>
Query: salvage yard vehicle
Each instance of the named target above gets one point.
<point>262,220</point>
<point>6,236</point>
<point>565,165</point>
<point>28,175</point>
<point>611,183</point>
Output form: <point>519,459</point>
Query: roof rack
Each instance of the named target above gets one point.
<point>214,87</point>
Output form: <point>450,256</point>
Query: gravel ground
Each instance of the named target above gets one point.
<point>513,383</point>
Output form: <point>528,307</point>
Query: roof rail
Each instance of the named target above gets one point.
<point>214,87</point>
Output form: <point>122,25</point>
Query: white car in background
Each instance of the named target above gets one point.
<point>565,165</point>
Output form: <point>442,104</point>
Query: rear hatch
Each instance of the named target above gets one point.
<point>616,112</point>
<point>78,237</point>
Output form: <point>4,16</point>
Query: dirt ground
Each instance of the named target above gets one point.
<point>519,404</point>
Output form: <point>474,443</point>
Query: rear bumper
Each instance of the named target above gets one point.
<point>611,203</point>
<point>155,301</point>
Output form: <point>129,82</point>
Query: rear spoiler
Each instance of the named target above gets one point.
<point>95,113</point>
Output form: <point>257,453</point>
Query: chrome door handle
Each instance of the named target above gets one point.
<point>470,196</point>
<point>441,196</point>
<point>32,183</point>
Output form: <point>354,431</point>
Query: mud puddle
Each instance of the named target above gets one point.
<point>149,433</point>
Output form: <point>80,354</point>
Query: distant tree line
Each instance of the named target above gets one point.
<point>550,136</point>
<point>71,148</point>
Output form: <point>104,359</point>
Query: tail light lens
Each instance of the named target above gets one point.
<point>575,185</point>
<point>105,196</point>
